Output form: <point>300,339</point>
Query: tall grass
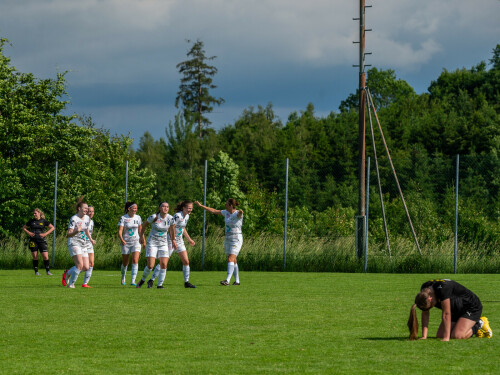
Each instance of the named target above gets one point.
<point>266,253</point>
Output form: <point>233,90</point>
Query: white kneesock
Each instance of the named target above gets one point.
<point>146,273</point>
<point>88,273</point>
<point>161,278</point>
<point>133,273</point>
<point>68,274</point>
<point>236,273</point>
<point>230,270</point>
<point>124,271</point>
<point>185,271</point>
<point>74,275</point>
<point>156,272</point>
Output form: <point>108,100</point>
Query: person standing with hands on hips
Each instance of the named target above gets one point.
<point>234,238</point>
<point>35,228</point>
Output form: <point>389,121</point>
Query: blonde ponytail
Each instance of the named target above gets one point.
<point>413,323</point>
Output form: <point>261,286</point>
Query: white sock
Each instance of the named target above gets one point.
<point>133,273</point>
<point>161,278</point>
<point>88,273</point>
<point>146,273</point>
<point>230,270</point>
<point>74,275</point>
<point>124,271</point>
<point>236,273</point>
<point>68,274</point>
<point>156,272</point>
<point>185,271</point>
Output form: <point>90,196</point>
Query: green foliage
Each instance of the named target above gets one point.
<point>91,162</point>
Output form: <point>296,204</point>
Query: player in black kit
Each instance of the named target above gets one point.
<point>461,311</point>
<point>35,228</point>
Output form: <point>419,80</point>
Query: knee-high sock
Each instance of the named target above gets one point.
<point>236,273</point>
<point>35,265</point>
<point>161,278</point>
<point>74,275</point>
<point>185,271</point>
<point>124,271</point>
<point>156,272</point>
<point>46,264</point>
<point>230,270</point>
<point>88,274</point>
<point>68,274</point>
<point>146,273</point>
<point>133,273</point>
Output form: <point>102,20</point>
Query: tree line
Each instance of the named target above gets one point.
<point>459,114</point>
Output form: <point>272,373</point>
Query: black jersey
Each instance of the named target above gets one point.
<point>37,226</point>
<point>462,300</point>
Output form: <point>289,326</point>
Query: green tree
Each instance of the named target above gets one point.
<point>196,83</point>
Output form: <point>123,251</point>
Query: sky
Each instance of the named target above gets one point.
<point>121,55</point>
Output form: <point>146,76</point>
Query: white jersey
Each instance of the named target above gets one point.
<point>81,237</point>
<point>180,221</point>
<point>159,229</point>
<point>91,229</point>
<point>130,226</point>
<point>233,223</point>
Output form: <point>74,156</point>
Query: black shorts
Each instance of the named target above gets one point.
<point>38,244</point>
<point>472,312</point>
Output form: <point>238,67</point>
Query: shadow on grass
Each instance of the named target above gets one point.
<point>385,338</point>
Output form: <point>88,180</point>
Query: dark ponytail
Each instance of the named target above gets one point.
<point>79,203</point>
<point>181,205</point>
<point>128,205</point>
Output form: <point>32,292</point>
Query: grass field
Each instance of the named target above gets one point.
<point>273,323</point>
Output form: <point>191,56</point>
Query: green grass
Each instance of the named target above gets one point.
<point>273,323</point>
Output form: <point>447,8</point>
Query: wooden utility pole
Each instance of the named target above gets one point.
<point>360,218</point>
<point>362,100</point>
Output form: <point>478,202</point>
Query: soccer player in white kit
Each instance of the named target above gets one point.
<point>77,234</point>
<point>233,241</point>
<point>129,228</point>
<point>90,248</point>
<point>157,244</point>
<point>181,218</point>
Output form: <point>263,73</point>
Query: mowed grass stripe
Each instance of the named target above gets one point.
<point>272,323</point>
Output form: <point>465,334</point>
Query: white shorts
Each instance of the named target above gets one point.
<point>89,247</point>
<point>180,246</point>
<point>232,245</point>
<point>153,251</point>
<point>76,249</point>
<point>130,248</point>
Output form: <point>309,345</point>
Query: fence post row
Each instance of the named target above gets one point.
<point>286,214</point>
<point>55,216</point>
<point>455,252</point>
<point>204,218</point>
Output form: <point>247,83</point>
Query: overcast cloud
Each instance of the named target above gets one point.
<point>122,54</point>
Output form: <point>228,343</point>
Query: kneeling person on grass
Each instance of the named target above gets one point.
<point>461,311</point>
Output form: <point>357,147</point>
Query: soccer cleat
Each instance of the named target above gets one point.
<point>141,283</point>
<point>150,283</point>
<point>124,282</point>
<point>133,284</point>
<point>187,284</point>
<point>37,273</point>
<point>485,329</point>
<point>224,282</point>
<point>64,282</point>
<point>236,283</point>
<point>49,273</point>
<point>86,286</point>
<point>72,286</point>
<point>158,287</point>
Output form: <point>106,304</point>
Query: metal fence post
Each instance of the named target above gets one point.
<point>456,215</point>
<point>55,216</point>
<point>286,215</point>
<point>204,219</point>
<point>367,210</point>
<point>126,181</point>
